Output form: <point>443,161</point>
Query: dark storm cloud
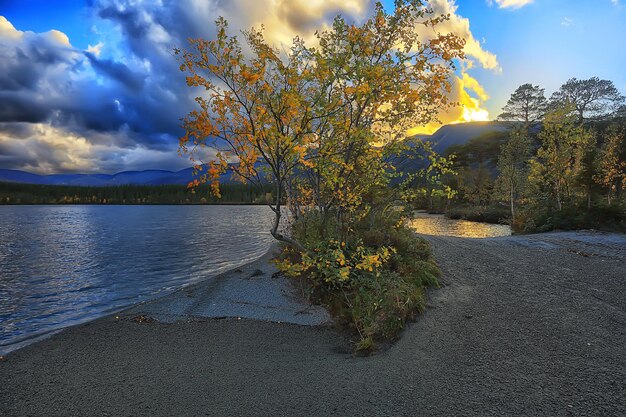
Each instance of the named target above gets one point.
<point>125,14</point>
<point>117,71</point>
<point>22,106</point>
<point>43,79</point>
<point>25,60</point>
<point>126,103</point>
<point>18,74</point>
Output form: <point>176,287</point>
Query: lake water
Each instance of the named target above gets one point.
<point>63,265</point>
<point>439,225</point>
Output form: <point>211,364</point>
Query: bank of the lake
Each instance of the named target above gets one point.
<point>441,225</point>
<point>525,325</point>
<point>64,265</point>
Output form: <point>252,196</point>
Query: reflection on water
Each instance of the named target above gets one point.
<point>439,225</point>
<point>62,265</point>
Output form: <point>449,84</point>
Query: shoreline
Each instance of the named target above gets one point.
<point>514,313</point>
<point>168,306</point>
<point>134,204</point>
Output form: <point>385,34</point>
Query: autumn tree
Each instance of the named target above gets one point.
<point>592,98</point>
<point>429,181</point>
<point>254,109</point>
<point>315,122</point>
<point>555,163</point>
<point>585,167</point>
<point>611,173</point>
<point>527,105</point>
<point>382,78</point>
<point>513,166</point>
<point>475,163</point>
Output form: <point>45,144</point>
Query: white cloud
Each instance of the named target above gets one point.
<point>513,4</point>
<point>470,96</point>
<point>95,49</point>
<point>7,30</point>
<point>566,22</point>
<point>460,26</point>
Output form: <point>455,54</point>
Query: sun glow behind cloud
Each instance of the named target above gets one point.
<point>468,94</point>
<point>469,97</point>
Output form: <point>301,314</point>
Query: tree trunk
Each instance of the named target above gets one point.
<point>512,206</point>
<point>277,216</point>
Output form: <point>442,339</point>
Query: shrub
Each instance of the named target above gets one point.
<point>372,281</point>
<point>485,214</point>
<point>539,219</point>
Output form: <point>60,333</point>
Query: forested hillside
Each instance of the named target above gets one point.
<point>232,193</point>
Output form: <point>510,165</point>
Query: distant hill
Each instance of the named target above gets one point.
<point>449,136</point>
<point>148,177</point>
<point>446,136</point>
<point>460,133</point>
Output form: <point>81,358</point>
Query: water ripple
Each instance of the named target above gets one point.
<point>61,265</point>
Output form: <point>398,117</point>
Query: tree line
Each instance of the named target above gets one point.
<point>560,164</point>
<point>232,193</point>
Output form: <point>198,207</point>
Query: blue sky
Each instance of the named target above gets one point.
<point>91,86</point>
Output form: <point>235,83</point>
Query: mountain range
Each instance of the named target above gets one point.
<point>444,137</point>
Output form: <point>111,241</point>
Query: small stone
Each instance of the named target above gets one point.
<point>143,319</point>
<point>256,273</point>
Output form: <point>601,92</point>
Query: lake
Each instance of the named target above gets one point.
<point>64,265</point>
<point>439,225</point>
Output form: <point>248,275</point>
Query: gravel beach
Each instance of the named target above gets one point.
<point>523,325</point>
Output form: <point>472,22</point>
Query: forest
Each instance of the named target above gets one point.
<point>559,164</point>
<point>232,193</point>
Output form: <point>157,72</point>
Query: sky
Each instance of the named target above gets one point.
<point>92,86</point>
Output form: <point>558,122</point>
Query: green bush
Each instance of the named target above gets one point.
<point>538,219</point>
<point>485,214</point>
<point>372,280</point>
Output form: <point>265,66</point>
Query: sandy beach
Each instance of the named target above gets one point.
<point>523,325</point>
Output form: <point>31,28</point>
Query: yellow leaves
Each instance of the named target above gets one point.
<point>318,110</point>
<point>334,262</point>
<point>301,151</point>
<point>249,77</point>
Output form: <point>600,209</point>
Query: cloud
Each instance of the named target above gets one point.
<point>116,108</point>
<point>461,26</point>
<point>96,49</point>
<point>44,149</point>
<point>513,4</point>
<point>117,71</point>
<point>469,95</point>
<point>43,78</point>
<point>566,22</point>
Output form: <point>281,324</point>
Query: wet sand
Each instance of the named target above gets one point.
<point>524,325</point>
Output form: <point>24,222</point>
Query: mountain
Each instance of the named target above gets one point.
<point>148,177</point>
<point>460,133</point>
<point>446,136</point>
